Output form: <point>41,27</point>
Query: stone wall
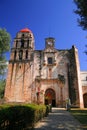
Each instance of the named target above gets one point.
<point>84,81</point>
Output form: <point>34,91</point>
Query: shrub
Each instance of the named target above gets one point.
<point>20,116</point>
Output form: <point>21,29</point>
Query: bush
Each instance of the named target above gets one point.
<point>20,116</point>
<point>48,109</point>
<point>2,88</point>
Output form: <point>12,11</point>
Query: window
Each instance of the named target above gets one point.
<point>29,43</point>
<point>86,78</point>
<point>30,36</point>
<point>14,55</point>
<point>22,42</point>
<point>16,43</point>
<point>26,54</point>
<point>20,54</point>
<point>50,60</point>
<point>23,35</point>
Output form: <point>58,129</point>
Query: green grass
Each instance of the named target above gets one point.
<point>80,115</point>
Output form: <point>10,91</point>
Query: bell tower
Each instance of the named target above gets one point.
<point>18,87</point>
<point>23,45</point>
<point>49,42</point>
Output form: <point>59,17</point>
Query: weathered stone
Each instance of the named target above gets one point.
<point>33,74</point>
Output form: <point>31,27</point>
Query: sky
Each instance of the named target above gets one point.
<point>45,18</point>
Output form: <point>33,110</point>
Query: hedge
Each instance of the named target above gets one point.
<point>17,117</point>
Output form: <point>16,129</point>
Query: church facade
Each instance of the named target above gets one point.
<point>48,76</point>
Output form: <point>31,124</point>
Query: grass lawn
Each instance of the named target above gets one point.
<point>81,116</point>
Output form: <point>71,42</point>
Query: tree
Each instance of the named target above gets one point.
<point>82,12</point>
<point>4,47</point>
<point>2,88</point>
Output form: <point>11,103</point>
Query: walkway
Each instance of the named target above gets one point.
<point>59,119</point>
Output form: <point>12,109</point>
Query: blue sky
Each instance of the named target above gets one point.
<point>45,18</point>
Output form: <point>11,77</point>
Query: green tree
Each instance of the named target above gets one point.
<point>4,47</point>
<point>2,88</point>
<point>82,12</point>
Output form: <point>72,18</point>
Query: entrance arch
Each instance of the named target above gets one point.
<point>85,100</point>
<point>50,97</point>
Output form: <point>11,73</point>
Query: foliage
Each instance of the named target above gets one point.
<point>4,41</point>
<point>82,12</point>
<point>2,87</point>
<point>4,47</point>
<point>48,109</point>
<point>81,115</point>
<point>20,116</point>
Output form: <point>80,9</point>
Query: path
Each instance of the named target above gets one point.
<point>59,119</point>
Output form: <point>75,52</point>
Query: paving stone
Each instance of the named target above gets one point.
<point>59,119</point>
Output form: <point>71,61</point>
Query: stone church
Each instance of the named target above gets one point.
<point>48,76</point>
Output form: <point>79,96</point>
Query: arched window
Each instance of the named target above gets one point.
<point>23,35</point>
<point>16,43</point>
<point>14,55</point>
<point>85,100</point>
<point>86,78</point>
<point>26,54</point>
<point>29,43</point>
<point>30,36</point>
<point>22,42</point>
<point>20,54</point>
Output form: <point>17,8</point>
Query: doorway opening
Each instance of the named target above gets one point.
<point>85,100</point>
<point>50,97</point>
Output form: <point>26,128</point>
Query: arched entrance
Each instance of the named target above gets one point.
<point>50,97</point>
<point>85,100</point>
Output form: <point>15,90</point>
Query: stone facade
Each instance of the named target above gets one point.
<point>49,76</point>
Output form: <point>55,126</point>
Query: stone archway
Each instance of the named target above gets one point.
<point>50,97</point>
<point>85,100</point>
